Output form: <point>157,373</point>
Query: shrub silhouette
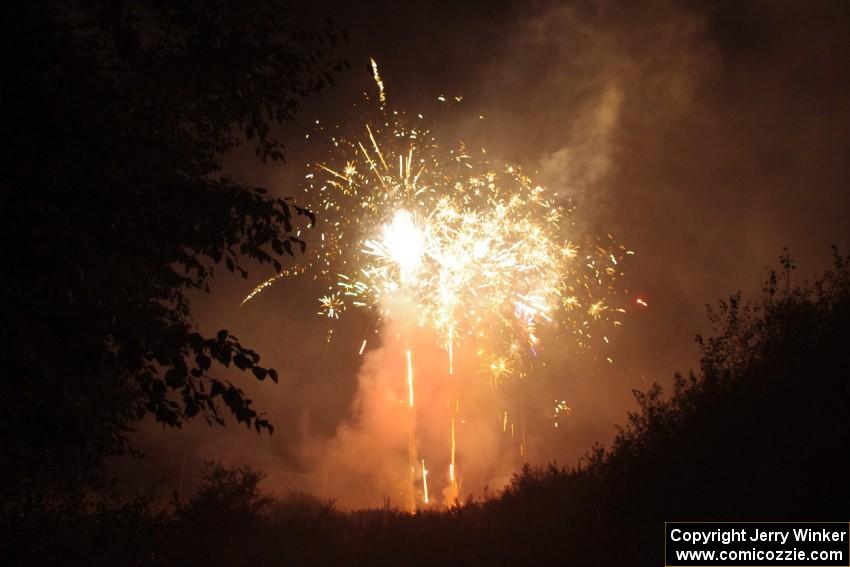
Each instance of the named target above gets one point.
<point>759,433</point>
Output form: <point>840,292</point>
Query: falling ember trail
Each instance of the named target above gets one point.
<point>382,96</point>
<point>453,468</point>
<point>411,427</point>
<point>424,483</point>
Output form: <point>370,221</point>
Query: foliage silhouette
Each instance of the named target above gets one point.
<point>115,209</point>
<point>760,433</point>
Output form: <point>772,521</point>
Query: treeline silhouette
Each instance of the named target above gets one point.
<point>759,432</point>
<point>116,212</point>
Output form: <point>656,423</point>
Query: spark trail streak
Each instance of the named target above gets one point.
<point>425,498</point>
<point>452,477</point>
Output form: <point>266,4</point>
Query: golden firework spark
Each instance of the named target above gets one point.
<point>488,257</point>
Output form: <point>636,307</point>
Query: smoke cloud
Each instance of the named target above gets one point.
<point>704,135</point>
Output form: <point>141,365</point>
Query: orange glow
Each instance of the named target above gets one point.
<point>409,379</point>
<point>451,351</point>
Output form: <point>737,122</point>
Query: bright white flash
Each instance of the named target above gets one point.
<point>404,243</point>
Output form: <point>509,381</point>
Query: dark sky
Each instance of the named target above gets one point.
<point>706,136</point>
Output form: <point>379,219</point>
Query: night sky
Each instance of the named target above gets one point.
<point>704,136</point>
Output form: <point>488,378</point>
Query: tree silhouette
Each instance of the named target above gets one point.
<point>115,207</point>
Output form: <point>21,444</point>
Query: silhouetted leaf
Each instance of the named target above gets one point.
<point>242,362</point>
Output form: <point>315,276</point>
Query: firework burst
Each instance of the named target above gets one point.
<point>487,256</point>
